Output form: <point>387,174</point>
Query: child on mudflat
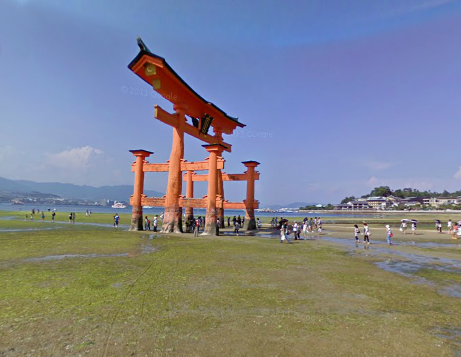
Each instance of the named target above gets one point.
<point>356,232</point>
<point>389,235</point>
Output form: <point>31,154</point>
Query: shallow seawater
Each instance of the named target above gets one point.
<point>408,264</point>
<point>151,236</point>
<point>7,230</point>
<point>69,256</point>
<point>452,334</point>
<point>144,249</point>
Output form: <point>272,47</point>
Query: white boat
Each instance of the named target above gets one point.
<point>118,205</point>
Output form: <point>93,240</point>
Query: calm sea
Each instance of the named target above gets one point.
<point>159,210</point>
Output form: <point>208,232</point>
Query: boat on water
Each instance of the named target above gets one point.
<point>118,205</point>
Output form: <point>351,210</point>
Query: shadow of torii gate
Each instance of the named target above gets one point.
<point>187,103</point>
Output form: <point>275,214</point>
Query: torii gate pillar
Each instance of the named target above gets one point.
<point>172,221</point>
<point>221,195</point>
<point>136,217</point>
<point>211,212</point>
<point>189,194</point>
<point>250,222</point>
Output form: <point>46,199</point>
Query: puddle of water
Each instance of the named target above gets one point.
<point>151,236</point>
<point>145,249</point>
<point>6,230</point>
<point>453,335</point>
<point>453,290</point>
<point>111,225</point>
<point>400,267</point>
<point>9,218</point>
<point>431,245</point>
<point>38,220</point>
<point>435,262</point>
<point>65,256</point>
<point>408,264</point>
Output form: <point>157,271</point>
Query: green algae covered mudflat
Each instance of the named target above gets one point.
<point>70,290</point>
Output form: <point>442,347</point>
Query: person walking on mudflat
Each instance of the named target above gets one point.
<point>413,227</point>
<point>389,235</point>
<point>155,224</point>
<point>305,229</point>
<point>236,227</point>
<point>438,226</point>
<point>356,233</point>
<point>403,227</point>
<point>295,229</point>
<point>196,227</point>
<point>283,233</point>
<point>366,233</point>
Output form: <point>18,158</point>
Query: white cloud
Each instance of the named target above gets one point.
<point>76,159</point>
<point>373,182</point>
<point>81,166</point>
<point>457,175</point>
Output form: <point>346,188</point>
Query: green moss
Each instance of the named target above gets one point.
<point>208,296</point>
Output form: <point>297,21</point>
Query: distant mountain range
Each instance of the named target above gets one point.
<point>67,190</point>
<point>114,193</point>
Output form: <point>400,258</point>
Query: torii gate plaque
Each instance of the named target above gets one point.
<point>157,72</point>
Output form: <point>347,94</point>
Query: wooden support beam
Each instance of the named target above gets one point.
<point>172,120</point>
<point>193,202</point>
<point>185,166</point>
<point>239,205</point>
<point>225,177</point>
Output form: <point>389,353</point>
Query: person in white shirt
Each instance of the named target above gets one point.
<point>305,229</point>
<point>366,233</point>
<point>295,230</point>
<point>403,227</point>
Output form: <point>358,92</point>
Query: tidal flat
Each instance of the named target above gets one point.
<point>97,290</point>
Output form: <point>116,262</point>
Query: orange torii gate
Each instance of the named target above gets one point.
<point>249,204</point>
<point>140,166</point>
<point>138,199</point>
<point>187,104</point>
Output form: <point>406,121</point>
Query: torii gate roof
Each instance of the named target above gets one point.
<point>173,88</point>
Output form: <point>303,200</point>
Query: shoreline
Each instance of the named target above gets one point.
<point>381,212</point>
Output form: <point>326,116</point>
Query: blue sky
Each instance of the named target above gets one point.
<point>338,97</point>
